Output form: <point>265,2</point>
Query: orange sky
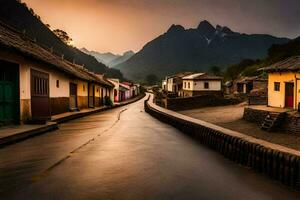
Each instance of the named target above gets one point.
<point>121,25</point>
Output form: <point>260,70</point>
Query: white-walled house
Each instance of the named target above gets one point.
<point>174,83</point>
<point>200,83</point>
<point>116,95</point>
<point>36,84</point>
<point>127,91</point>
<point>137,89</point>
<point>164,85</point>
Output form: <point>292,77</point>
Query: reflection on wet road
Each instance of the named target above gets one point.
<point>125,154</point>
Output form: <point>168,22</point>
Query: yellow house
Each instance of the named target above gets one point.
<point>284,83</point>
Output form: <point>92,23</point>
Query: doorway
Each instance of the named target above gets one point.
<point>9,93</point>
<point>73,96</point>
<point>40,101</point>
<point>289,95</point>
<point>91,94</point>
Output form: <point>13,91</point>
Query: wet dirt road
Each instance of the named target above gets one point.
<point>125,154</point>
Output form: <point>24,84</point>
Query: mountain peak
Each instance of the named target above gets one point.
<point>128,53</point>
<point>176,28</point>
<point>223,29</point>
<point>205,25</point>
<point>205,28</point>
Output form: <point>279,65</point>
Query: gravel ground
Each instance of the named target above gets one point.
<point>231,117</point>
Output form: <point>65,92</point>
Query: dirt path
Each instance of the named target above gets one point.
<point>231,117</point>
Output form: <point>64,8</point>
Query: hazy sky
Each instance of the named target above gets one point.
<point>121,25</point>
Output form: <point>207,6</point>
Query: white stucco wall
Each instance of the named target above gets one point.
<point>64,85</point>
<point>199,85</point>
<point>25,82</point>
<point>170,84</point>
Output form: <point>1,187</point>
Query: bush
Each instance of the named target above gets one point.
<point>107,101</point>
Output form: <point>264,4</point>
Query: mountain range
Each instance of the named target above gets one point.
<point>108,58</point>
<point>196,49</point>
<point>19,16</point>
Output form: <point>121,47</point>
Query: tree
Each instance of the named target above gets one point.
<point>63,35</point>
<point>215,70</point>
<point>151,79</point>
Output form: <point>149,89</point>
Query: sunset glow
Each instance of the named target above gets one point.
<point>118,26</point>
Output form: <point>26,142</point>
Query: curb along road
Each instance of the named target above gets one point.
<point>275,161</point>
<point>53,125</point>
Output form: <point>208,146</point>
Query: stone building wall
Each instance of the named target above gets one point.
<point>198,102</point>
<point>254,115</point>
<point>290,123</point>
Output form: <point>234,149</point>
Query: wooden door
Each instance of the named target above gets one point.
<point>102,97</point>
<point>9,93</point>
<point>289,95</point>
<point>73,96</point>
<point>91,94</point>
<point>116,95</point>
<point>40,101</point>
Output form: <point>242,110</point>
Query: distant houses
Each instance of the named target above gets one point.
<point>245,85</point>
<point>174,82</point>
<point>36,84</point>
<point>188,84</point>
<point>199,84</point>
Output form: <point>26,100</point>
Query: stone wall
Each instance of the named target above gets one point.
<point>292,124</point>
<point>198,102</point>
<point>277,162</point>
<point>257,100</point>
<point>193,93</point>
<point>255,115</point>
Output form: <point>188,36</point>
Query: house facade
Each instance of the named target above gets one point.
<point>164,85</point>
<point>36,84</point>
<point>284,83</point>
<point>199,84</point>
<point>116,93</point>
<point>174,83</point>
<point>125,91</point>
<point>245,85</point>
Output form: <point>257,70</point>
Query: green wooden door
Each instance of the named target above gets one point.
<point>7,101</point>
<point>9,92</point>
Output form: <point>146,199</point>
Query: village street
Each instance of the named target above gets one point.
<point>124,153</point>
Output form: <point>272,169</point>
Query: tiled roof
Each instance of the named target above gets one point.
<point>246,79</point>
<point>127,83</point>
<point>180,75</point>
<point>289,64</point>
<point>17,41</point>
<point>202,76</point>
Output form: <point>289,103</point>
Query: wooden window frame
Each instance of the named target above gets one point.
<point>277,86</point>
<point>206,85</point>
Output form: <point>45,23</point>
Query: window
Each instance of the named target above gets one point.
<point>276,86</point>
<point>184,84</point>
<point>83,88</point>
<point>57,83</point>
<point>189,85</point>
<point>206,85</point>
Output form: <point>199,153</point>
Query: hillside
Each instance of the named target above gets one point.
<point>276,53</point>
<point>181,49</point>
<point>18,16</point>
<point>108,58</point>
<point>127,55</point>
